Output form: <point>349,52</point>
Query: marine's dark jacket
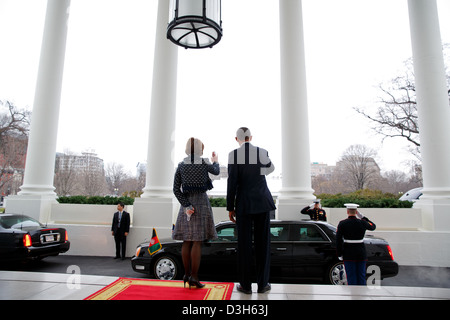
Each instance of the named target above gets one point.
<point>349,232</point>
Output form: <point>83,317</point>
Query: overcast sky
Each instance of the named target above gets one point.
<point>351,46</point>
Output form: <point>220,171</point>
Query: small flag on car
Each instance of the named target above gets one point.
<point>155,244</point>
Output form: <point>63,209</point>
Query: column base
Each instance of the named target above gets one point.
<point>435,213</point>
<point>297,193</point>
<point>159,213</point>
<point>37,190</point>
<point>35,206</point>
<point>157,192</point>
<point>435,193</point>
<point>289,208</point>
<point>291,201</point>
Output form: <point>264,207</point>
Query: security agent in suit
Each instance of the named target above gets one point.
<point>119,229</point>
<point>249,203</point>
<point>350,244</point>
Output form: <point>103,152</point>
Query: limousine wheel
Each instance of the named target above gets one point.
<point>166,268</point>
<point>336,274</point>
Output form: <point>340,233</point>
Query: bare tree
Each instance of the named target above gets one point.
<point>331,184</point>
<point>357,165</point>
<point>115,178</point>
<point>13,121</point>
<point>14,127</point>
<point>397,182</point>
<point>396,114</point>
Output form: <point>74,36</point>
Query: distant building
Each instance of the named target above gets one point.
<point>88,161</point>
<point>321,169</point>
<point>141,169</point>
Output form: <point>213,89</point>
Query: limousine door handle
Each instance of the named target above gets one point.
<point>281,249</point>
<point>231,249</point>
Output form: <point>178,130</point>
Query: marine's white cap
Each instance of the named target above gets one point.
<point>351,205</point>
<point>316,201</point>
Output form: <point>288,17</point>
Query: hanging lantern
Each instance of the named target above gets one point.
<point>195,24</point>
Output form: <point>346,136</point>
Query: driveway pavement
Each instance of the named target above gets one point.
<point>409,276</point>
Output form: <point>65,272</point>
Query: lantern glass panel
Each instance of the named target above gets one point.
<point>213,10</point>
<point>172,6</point>
<point>190,8</point>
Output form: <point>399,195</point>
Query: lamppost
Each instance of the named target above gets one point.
<point>195,24</point>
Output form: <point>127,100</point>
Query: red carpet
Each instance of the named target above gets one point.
<point>141,289</point>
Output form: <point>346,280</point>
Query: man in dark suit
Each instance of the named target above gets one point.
<point>119,229</point>
<point>249,203</point>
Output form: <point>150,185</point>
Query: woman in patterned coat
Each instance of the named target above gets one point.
<point>195,222</point>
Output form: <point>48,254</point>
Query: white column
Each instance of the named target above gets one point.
<point>433,111</point>
<point>161,142</point>
<point>155,207</point>
<point>296,169</point>
<point>40,162</point>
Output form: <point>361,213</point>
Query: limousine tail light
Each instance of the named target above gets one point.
<point>390,252</point>
<point>27,240</point>
<point>67,237</point>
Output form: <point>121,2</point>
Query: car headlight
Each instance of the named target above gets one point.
<point>138,251</point>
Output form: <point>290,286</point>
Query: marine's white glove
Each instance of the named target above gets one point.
<point>359,215</point>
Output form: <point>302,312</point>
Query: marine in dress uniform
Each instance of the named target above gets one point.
<point>350,244</point>
<point>315,212</point>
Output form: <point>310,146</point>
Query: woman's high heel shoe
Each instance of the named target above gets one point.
<point>186,279</point>
<point>195,283</point>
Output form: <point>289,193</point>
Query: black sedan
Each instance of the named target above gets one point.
<point>23,238</point>
<point>300,251</point>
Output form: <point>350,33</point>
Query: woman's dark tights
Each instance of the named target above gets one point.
<point>191,253</point>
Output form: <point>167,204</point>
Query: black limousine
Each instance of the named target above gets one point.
<point>24,238</point>
<point>300,251</point>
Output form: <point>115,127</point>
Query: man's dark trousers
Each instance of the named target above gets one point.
<point>257,224</point>
<point>356,272</point>
<point>119,227</point>
<point>121,243</point>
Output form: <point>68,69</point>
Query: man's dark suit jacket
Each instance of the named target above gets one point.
<point>124,223</point>
<point>247,190</point>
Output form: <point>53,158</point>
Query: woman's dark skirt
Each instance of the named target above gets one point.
<point>201,225</point>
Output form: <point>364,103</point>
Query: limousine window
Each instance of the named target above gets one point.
<point>279,233</point>
<point>309,233</point>
<point>226,234</point>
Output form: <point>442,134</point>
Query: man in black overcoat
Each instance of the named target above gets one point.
<point>249,203</point>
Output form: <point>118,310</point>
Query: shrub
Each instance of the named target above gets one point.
<point>108,200</point>
<point>365,198</point>
<point>218,202</point>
